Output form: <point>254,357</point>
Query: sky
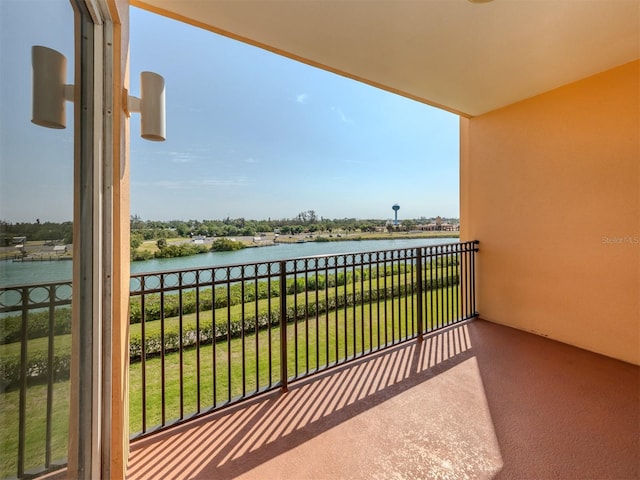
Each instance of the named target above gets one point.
<point>249,133</point>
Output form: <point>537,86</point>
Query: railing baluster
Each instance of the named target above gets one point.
<point>50,377</point>
<point>214,360</point>
<point>197,282</point>
<point>378,333</point>
<point>354,304</point>
<point>284,376</point>
<point>295,318</point>
<point>306,313</point>
<point>386,300</point>
<point>270,325</point>
<point>362,330</point>
<point>162,352</point>
<point>256,296</point>
<point>370,266</point>
<point>242,333</point>
<point>346,307</point>
<point>143,353</point>
<point>181,342</point>
<point>406,300</point>
<point>326,317</point>
<point>393,297</point>
<point>317,297</point>
<point>22,413</point>
<point>337,309</point>
<point>419,294</point>
<point>228,278</point>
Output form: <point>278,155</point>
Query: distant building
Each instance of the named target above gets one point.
<point>439,225</point>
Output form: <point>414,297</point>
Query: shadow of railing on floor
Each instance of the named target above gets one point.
<point>235,440</point>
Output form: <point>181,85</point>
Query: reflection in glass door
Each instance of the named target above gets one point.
<point>36,235</point>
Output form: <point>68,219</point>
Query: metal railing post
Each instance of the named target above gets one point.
<point>419,288</point>
<point>22,412</point>
<point>284,376</point>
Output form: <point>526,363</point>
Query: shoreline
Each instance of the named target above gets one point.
<point>270,240</point>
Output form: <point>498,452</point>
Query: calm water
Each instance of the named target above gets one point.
<point>41,272</point>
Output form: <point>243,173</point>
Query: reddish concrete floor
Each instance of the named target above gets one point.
<point>476,401</point>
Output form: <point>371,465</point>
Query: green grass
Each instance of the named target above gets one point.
<point>35,427</point>
<point>346,339</point>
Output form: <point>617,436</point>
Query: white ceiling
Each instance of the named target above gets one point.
<point>467,58</point>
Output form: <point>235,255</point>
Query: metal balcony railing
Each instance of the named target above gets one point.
<point>202,339</point>
<point>35,354</point>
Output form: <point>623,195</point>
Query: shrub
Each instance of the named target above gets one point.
<point>38,325</point>
<point>37,367</point>
<point>38,357</point>
<point>226,245</point>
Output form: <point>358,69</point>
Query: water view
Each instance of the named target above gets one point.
<point>17,273</point>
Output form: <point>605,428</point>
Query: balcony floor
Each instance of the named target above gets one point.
<point>478,400</point>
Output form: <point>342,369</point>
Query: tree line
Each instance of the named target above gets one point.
<point>36,231</point>
<point>305,222</point>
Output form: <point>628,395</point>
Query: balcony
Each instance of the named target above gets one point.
<point>383,371</point>
<point>477,400</point>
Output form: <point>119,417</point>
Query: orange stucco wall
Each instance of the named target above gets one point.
<point>550,187</point>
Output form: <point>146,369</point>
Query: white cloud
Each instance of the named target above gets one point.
<point>224,182</point>
<point>302,98</point>
<point>182,157</point>
<point>205,182</point>
<point>341,114</point>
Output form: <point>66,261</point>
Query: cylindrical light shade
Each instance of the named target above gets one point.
<point>152,107</point>
<point>49,72</point>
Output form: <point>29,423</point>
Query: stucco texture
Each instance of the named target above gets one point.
<point>550,188</point>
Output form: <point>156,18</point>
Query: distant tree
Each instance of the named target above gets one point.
<point>408,225</point>
<point>226,245</point>
<point>136,222</point>
<point>161,243</point>
<point>135,241</point>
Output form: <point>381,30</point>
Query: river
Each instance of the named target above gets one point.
<point>18,273</point>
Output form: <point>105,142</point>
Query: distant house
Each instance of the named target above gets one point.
<point>438,225</point>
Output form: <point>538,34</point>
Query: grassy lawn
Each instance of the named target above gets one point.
<point>35,427</point>
<point>333,335</point>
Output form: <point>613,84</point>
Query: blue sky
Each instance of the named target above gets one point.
<point>249,134</point>
<point>36,164</point>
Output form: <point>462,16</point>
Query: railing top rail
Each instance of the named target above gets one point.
<point>20,286</point>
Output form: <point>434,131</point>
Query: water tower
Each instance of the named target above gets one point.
<point>396,207</point>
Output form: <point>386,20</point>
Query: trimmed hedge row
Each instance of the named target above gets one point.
<point>10,327</point>
<point>221,298</point>
<point>39,321</point>
<point>37,369</point>
<point>153,342</point>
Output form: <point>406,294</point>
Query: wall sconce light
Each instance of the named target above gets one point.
<point>151,106</point>
<point>50,92</point>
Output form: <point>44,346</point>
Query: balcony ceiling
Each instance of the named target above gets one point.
<point>469,58</point>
